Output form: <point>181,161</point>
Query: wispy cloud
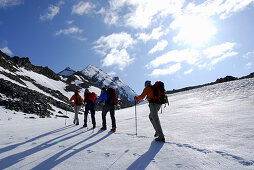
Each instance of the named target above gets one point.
<point>229,54</point>
<point>249,55</point>
<point>10,3</point>
<point>223,8</point>
<point>155,34</point>
<point>112,73</point>
<point>249,65</point>
<point>6,50</point>
<point>218,50</point>
<point>190,56</point>
<point>114,49</point>
<point>51,13</point>
<point>72,30</point>
<point>160,46</point>
<point>140,13</point>
<point>188,71</point>
<point>69,22</point>
<point>82,8</point>
<point>207,58</point>
<point>169,70</point>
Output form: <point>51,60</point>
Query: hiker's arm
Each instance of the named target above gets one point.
<point>100,98</point>
<point>142,96</point>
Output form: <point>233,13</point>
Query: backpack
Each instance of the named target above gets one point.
<point>112,96</point>
<point>78,101</point>
<point>92,97</point>
<point>159,93</point>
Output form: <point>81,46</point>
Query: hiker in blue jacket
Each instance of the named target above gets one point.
<point>107,107</point>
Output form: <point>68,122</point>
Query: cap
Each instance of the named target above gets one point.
<point>147,82</point>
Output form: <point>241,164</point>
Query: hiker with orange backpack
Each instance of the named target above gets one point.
<point>89,98</point>
<point>78,101</point>
<point>109,97</point>
<point>154,107</point>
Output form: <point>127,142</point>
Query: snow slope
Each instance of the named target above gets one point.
<point>207,128</point>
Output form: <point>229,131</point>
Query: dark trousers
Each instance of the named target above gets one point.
<point>111,109</point>
<point>90,107</point>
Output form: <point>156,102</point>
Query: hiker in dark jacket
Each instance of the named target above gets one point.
<point>89,99</point>
<point>107,107</point>
<point>78,101</point>
<point>154,108</point>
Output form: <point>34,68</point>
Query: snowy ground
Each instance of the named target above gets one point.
<point>206,128</point>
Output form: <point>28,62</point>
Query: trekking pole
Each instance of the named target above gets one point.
<point>66,115</point>
<point>136,119</point>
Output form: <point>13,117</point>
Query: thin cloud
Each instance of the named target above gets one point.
<point>10,3</point>
<point>51,13</point>
<point>114,49</point>
<point>249,55</point>
<point>188,71</point>
<point>170,70</point>
<point>112,73</point>
<point>223,9</point>
<point>160,46</point>
<point>218,50</point>
<point>82,8</point>
<point>72,30</point>
<point>249,65</point>
<point>140,13</point>
<point>229,54</point>
<point>191,56</point>
<point>155,34</point>
<point>6,50</point>
<point>70,22</point>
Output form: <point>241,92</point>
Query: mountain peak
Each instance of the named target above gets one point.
<point>67,72</point>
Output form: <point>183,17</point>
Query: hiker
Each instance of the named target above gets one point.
<point>109,105</point>
<point>154,108</point>
<point>78,101</point>
<point>89,98</point>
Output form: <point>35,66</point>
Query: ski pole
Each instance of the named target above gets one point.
<point>66,116</point>
<point>136,119</point>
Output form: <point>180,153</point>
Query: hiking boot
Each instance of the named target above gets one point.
<point>113,129</point>
<point>156,134</point>
<point>103,128</point>
<point>160,139</point>
<point>94,126</point>
<point>77,123</point>
<point>85,125</point>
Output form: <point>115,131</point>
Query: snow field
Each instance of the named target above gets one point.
<point>207,128</point>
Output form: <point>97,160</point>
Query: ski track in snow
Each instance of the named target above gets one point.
<point>207,128</point>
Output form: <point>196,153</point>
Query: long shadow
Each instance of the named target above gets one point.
<point>143,161</point>
<point>15,158</point>
<point>11,147</point>
<point>54,161</point>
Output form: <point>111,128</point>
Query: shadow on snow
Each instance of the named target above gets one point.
<point>144,160</point>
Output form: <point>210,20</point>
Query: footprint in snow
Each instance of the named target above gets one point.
<point>107,154</point>
<point>90,151</point>
<point>179,165</point>
<point>136,154</point>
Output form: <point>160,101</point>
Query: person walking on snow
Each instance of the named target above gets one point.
<point>154,108</point>
<point>78,101</point>
<point>89,99</point>
<point>107,107</point>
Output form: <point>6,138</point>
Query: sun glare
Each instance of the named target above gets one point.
<point>194,30</point>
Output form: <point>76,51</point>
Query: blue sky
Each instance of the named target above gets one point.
<point>182,43</point>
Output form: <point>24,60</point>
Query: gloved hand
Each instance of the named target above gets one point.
<point>135,98</point>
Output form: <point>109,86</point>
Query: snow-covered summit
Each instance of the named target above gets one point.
<point>104,80</point>
<point>67,72</point>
